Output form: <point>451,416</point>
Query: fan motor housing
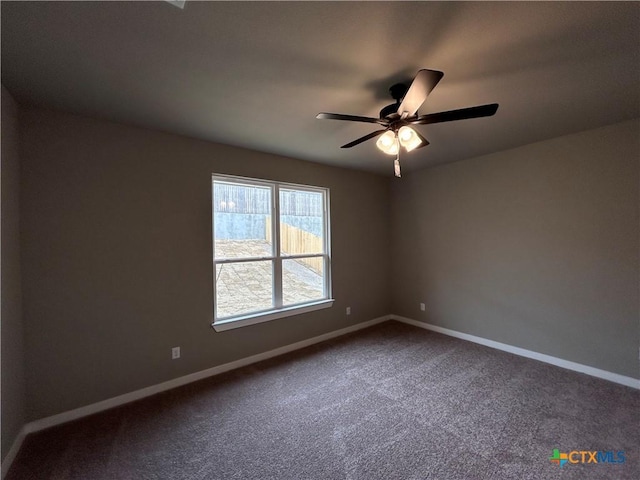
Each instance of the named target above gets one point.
<point>397,91</point>
<point>389,110</point>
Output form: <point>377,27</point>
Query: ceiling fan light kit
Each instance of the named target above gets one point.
<point>397,117</point>
<point>409,138</point>
<point>388,143</point>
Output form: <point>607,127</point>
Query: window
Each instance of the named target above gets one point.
<point>270,250</point>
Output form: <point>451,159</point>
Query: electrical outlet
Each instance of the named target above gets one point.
<point>348,310</point>
<point>175,353</point>
<point>423,307</point>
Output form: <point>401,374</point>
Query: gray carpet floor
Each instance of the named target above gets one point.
<point>389,402</point>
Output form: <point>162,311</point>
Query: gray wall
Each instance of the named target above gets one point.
<point>535,247</point>
<point>117,256</point>
<point>13,389</point>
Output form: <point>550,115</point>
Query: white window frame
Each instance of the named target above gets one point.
<point>278,311</point>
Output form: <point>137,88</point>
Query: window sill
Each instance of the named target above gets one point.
<point>252,319</point>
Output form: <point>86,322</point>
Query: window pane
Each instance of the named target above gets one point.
<point>302,280</point>
<point>301,222</point>
<point>241,220</point>
<point>243,288</point>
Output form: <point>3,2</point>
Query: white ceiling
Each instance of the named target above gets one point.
<point>256,74</point>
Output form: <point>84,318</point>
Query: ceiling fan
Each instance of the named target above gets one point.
<point>398,117</point>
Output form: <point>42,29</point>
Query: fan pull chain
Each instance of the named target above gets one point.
<point>396,165</point>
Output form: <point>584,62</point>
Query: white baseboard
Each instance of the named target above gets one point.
<point>13,451</point>
<point>559,362</point>
<point>193,377</point>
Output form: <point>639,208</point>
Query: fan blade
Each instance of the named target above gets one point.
<point>425,81</point>
<point>364,139</point>
<point>351,118</point>
<point>453,115</point>
<point>424,143</point>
